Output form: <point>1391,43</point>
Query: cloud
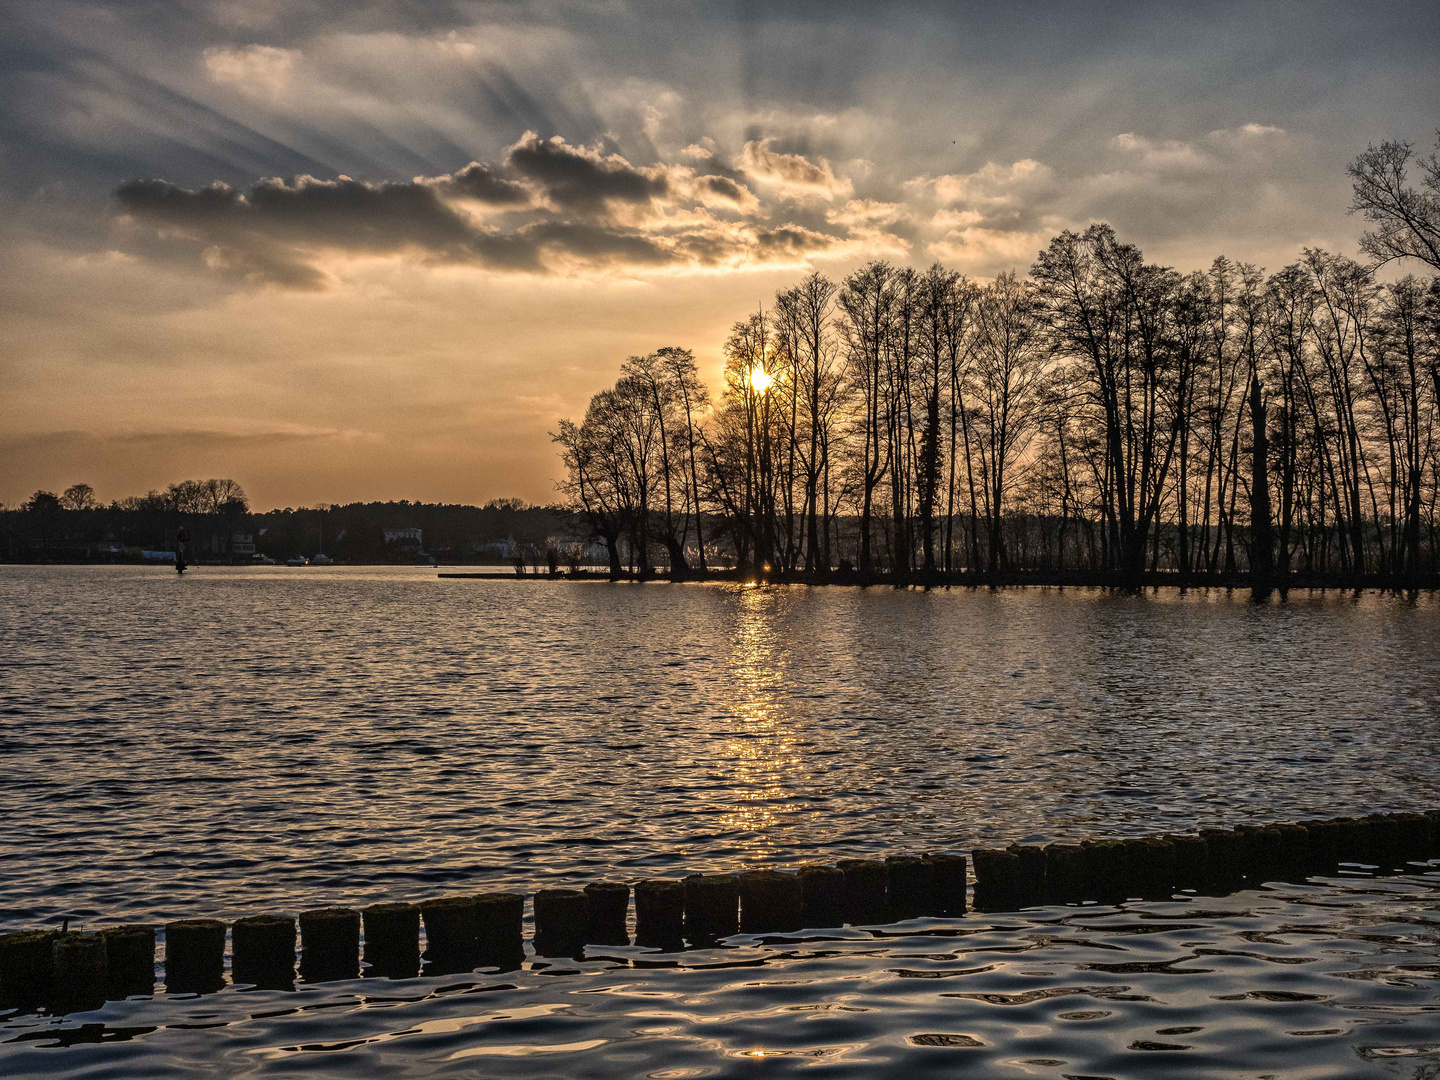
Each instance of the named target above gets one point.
<point>263,70</point>
<point>580,178</point>
<point>549,207</point>
<point>991,185</point>
<point>793,176</point>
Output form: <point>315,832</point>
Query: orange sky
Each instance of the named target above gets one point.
<point>417,332</point>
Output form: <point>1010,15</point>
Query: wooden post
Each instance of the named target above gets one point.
<point>822,895</point>
<point>770,902</point>
<point>864,891</point>
<point>1030,885</point>
<point>129,960</point>
<point>606,905</point>
<point>712,907</point>
<point>79,972</point>
<point>997,879</point>
<point>561,917</point>
<point>26,965</point>
<point>909,887</point>
<point>330,944</point>
<point>194,956</point>
<point>1066,874</point>
<point>948,870</point>
<point>392,940</point>
<point>499,918</point>
<point>451,934</point>
<point>262,951</point>
<point>660,913</point>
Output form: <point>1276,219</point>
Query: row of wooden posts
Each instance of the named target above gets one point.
<point>67,970</point>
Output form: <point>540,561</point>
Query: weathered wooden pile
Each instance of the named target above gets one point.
<point>67,970</point>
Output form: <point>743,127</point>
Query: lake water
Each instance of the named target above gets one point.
<point>248,740</point>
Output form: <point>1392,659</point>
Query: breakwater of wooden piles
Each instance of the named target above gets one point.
<point>69,970</point>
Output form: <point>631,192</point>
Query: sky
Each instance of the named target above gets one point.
<point>343,250</point>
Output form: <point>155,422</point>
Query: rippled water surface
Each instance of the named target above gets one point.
<point>269,740</point>
<point>238,740</point>
<point>1335,979</point>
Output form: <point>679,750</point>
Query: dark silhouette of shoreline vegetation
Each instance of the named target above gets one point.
<point>75,527</point>
<point>1101,418</point>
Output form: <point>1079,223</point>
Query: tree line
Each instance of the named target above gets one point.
<point>1099,413</point>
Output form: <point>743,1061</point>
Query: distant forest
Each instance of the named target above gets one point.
<point>74,526</point>
<point>1101,414</point>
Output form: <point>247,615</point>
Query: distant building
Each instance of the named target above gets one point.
<point>243,545</point>
<point>404,538</point>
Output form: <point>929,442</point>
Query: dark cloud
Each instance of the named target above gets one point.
<point>576,178</point>
<point>485,184</point>
<point>561,207</point>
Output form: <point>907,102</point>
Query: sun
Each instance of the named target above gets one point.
<point>760,379</point>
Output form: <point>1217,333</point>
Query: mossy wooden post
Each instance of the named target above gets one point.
<point>26,965</point>
<point>1414,833</point>
<point>606,905</point>
<point>909,887</point>
<point>1293,858</point>
<point>1189,856</point>
<point>129,960</point>
<point>329,944</point>
<point>1356,841</point>
<point>822,896</point>
<point>997,879</point>
<point>1151,864</point>
<point>660,913</point>
<point>262,951</point>
<point>1264,855</point>
<point>392,940</point>
<point>1110,871</point>
<point>712,907</point>
<point>79,972</point>
<point>451,934</point>
<point>948,881</point>
<point>194,956</point>
<point>561,917</point>
<point>1387,841</point>
<point>499,934</point>
<point>771,902</point>
<point>1322,846</point>
<point>1225,860</point>
<point>864,891</point>
<point>1030,886</point>
<point>1065,877</point>
<point>1433,817</point>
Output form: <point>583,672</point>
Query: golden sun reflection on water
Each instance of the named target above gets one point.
<point>764,753</point>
